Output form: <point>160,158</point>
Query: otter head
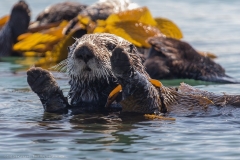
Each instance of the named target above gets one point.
<point>89,56</point>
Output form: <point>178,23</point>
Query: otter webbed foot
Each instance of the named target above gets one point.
<point>45,86</point>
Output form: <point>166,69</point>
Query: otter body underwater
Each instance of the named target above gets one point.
<point>96,64</point>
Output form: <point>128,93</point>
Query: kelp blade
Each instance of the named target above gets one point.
<point>168,28</point>
<point>3,20</point>
<point>135,25</point>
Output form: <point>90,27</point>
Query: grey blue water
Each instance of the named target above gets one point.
<point>27,133</point>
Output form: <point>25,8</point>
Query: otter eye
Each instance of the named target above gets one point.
<point>110,46</point>
<point>131,46</point>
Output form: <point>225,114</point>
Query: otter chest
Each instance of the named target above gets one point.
<point>90,92</point>
<point>88,95</point>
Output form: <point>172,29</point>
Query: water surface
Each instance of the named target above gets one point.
<point>27,133</point>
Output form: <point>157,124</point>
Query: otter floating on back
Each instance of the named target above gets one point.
<point>170,58</point>
<point>96,64</point>
<point>59,12</point>
<point>90,74</point>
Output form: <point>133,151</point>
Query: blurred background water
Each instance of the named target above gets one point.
<point>27,133</point>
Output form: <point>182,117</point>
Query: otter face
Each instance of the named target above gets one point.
<point>89,56</point>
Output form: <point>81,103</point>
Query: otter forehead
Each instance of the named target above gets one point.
<point>101,40</point>
<point>98,44</point>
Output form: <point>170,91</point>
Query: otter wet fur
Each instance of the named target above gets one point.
<point>59,12</point>
<point>90,74</point>
<point>170,58</point>
<point>17,24</point>
<point>139,95</point>
<point>97,63</point>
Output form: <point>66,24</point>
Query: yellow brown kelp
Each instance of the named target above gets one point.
<point>135,25</point>
<point>40,41</point>
<point>168,28</point>
<point>58,53</point>
<point>3,20</point>
<point>49,43</point>
<point>154,116</point>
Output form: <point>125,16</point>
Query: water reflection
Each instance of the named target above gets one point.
<point>26,131</point>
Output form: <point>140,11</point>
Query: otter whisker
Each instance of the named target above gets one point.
<point>61,67</point>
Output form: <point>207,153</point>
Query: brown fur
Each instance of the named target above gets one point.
<point>171,58</point>
<point>17,24</point>
<point>59,12</point>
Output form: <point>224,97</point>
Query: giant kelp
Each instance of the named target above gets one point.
<point>136,26</point>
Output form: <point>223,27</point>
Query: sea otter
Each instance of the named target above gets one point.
<point>96,64</point>
<point>90,75</point>
<point>17,24</point>
<point>170,58</point>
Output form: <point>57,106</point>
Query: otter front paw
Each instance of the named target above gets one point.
<point>121,62</point>
<point>42,82</point>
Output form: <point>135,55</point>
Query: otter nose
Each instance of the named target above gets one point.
<point>84,53</point>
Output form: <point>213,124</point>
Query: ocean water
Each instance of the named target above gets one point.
<point>27,133</point>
